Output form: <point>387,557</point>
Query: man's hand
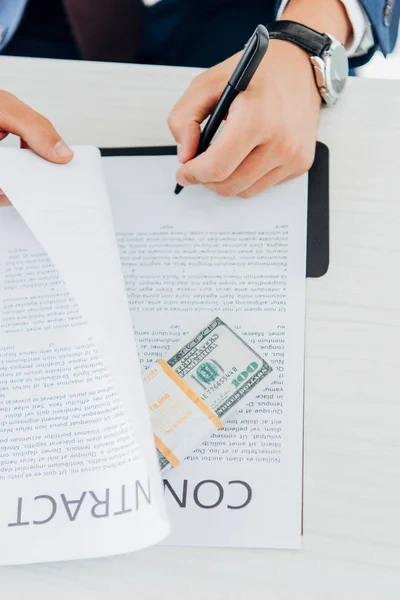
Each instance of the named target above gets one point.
<point>270,131</point>
<point>4,201</point>
<point>36,132</point>
<point>271,128</point>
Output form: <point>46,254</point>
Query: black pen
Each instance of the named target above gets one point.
<point>254,52</point>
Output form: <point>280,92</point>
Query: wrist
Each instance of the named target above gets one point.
<point>291,65</point>
<point>329,16</point>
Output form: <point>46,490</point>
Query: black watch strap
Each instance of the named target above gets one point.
<point>310,40</point>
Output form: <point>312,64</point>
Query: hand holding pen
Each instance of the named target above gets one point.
<point>270,129</point>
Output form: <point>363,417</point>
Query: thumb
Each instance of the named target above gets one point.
<point>190,111</point>
<point>35,131</point>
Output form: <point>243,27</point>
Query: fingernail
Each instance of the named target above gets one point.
<point>182,181</point>
<point>180,152</point>
<point>62,150</point>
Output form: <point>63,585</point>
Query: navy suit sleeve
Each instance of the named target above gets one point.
<point>384,16</point>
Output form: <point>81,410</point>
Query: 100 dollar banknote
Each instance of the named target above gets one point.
<point>195,390</point>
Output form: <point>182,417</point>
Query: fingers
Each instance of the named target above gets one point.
<point>237,140</point>
<point>190,111</point>
<point>277,175</point>
<point>261,160</point>
<point>265,166</point>
<point>286,170</point>
<point>34,129</point>
<point>4,201</point>
<point>281,174</point>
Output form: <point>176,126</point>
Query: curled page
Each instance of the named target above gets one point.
<point>82,477</point>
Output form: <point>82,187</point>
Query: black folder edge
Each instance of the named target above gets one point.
<point>318,201</point>
<point>317,223</point>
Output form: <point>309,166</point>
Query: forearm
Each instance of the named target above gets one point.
<point>328,16</point>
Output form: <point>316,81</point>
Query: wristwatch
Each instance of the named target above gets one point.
<point>327,54</point>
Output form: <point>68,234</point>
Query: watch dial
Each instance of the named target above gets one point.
<point>339,69</point>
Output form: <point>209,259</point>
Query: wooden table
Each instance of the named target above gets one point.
<point>351,546</point>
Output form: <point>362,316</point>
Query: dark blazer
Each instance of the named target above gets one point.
<point>114,24</point>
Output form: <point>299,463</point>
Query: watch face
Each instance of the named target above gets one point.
<point>337,68</point>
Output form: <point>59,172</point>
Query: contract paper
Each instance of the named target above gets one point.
<point>103,271</point>
<point>185,259</point>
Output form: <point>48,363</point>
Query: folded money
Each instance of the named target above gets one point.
<point>197,388</point>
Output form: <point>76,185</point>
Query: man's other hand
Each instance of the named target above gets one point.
<point>36,132</point>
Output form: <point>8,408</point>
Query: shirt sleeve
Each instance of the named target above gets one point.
<point>362,39</point>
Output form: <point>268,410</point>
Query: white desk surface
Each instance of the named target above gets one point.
<point>351,546</point>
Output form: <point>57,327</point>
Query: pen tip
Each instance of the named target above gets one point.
<point>178,188</point>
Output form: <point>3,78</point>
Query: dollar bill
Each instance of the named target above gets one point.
<point>196,389</point>
<point>220,366</point>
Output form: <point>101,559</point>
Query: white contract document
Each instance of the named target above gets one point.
<point>185,259</point>
<point>102,271</point>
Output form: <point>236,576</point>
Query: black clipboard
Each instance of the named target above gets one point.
<point>318,201</point>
